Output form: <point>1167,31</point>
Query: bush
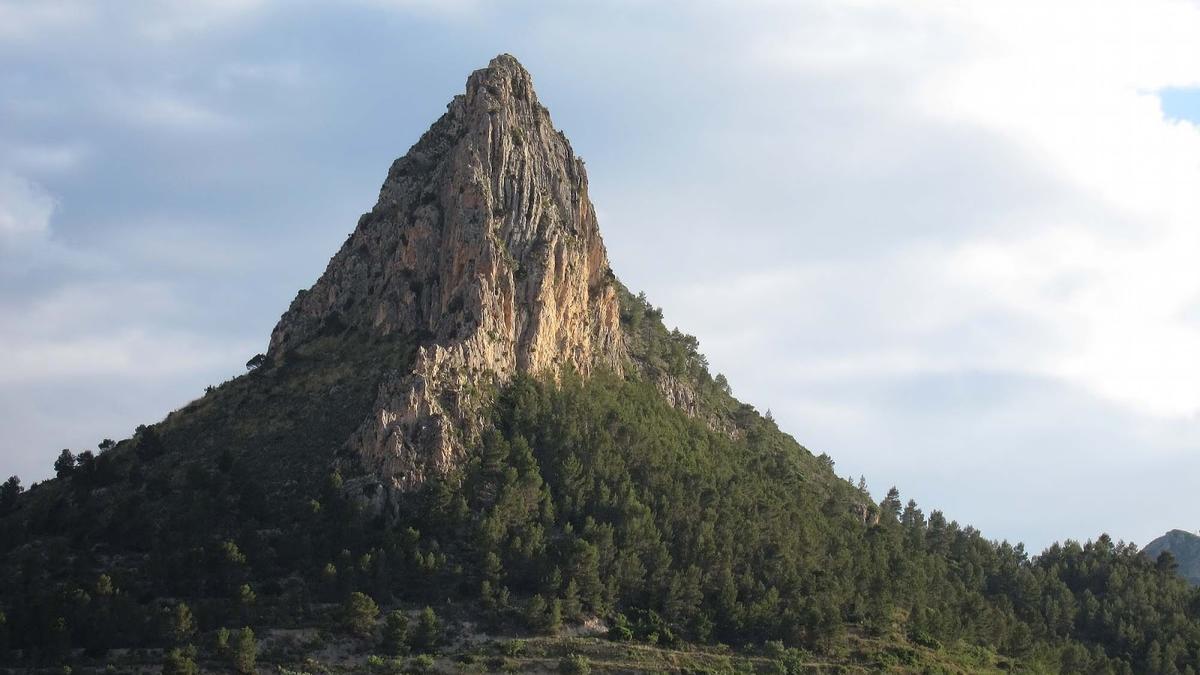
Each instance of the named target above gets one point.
<point>513,647</point>
<point>221,644</point>
<point>620,631</point>
<point>787,661</point>
<point>574,664</point>
<point>923,638</point>
<point>180,662</point>
<point>421,664</point>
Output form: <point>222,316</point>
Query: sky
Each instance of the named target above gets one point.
<point>952,245</point>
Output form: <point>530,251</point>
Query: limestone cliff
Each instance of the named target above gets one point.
<point>483,248</point>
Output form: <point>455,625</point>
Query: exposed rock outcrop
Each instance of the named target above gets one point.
<point>681,395</point>
<point>484,249</point>
<point>1184,547</point>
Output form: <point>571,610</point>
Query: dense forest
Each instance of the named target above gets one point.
<point>585,497</point>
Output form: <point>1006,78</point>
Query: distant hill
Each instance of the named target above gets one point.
<point>1185,546</point>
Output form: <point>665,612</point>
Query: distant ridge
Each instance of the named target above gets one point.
<point>1185,547</point>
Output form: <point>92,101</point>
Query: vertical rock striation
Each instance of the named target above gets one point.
<point>483,249</point>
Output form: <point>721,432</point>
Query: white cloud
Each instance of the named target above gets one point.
<point>280,74</point>
<point>28,21</point>
<point>164,21</point>
<point>49,157</point>
<point>25,210</point>
<point>1110,280</point>
<point>164,110</point>
<point>115,329</point>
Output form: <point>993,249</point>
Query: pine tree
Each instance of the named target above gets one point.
<point>3,634</point>
<point>554,616</point>
<point>572,609</point>
<point>221,644</point>
<point>428,633</point>
<point>395,633</point>
<point>181,625</point>
<point>360,613</point>
<point>245,652</point>
<point>64,466</point>
<point>180,661</point>
<point>9,493</point>
<point>535,613</point>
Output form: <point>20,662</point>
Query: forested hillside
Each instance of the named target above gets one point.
<point>589,497</point>
<point>471,448</point>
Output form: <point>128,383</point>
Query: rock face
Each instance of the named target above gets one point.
<point>483,249</point>
<point>1185,546</point>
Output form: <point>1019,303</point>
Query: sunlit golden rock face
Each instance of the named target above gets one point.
<point>484,250</point>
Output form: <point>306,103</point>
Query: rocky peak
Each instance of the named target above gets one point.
<point>1185,547</point>
<point>483,249</point>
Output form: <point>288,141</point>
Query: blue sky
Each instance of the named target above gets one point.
<point>1181,104</point>
<point>951,246</point>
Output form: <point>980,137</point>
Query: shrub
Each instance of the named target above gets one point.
<point>513,647</point>
<point>221,643</point>
<point>574,664</point>
<point>180,662</point>
<point>421,664</point>
<point>620,631</point>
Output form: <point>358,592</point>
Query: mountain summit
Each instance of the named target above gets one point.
<point>484,248</point>
<point>469,423</point>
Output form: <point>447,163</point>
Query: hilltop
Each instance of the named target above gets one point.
<point>1184,548</point>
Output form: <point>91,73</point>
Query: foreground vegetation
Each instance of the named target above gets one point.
<point>594,528</point>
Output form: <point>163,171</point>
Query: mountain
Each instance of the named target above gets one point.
<point>468,445</point>
<point>1184,547</point>
<point>484,250</point>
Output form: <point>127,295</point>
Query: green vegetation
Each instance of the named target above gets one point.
<point>180,661</point>
<point>182,627</point>
<point>361,612</point>
<point>245,652</point>
<point>585,500</point>
<point>395,633</point>
<point>574,664</point>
